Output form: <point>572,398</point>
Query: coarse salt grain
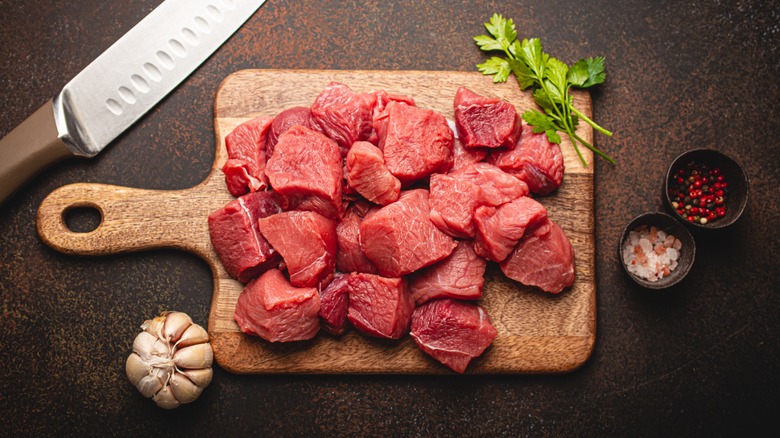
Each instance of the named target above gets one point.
<point>651,253</point>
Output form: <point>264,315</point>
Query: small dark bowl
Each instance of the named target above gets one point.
<point>669,225</point>
<point>733,173</point>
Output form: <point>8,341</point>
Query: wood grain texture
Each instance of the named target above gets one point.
<point>537,332</point>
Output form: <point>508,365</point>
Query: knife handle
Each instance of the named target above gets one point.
<point>30,148</point>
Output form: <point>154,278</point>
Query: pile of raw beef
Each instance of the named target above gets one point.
<point>365,209</point>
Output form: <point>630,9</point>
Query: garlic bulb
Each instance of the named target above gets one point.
<point>171,360</point>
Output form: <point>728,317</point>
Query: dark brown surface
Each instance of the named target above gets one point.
<point>699,358</point>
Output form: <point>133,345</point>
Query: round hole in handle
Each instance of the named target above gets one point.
<point>83,218</point>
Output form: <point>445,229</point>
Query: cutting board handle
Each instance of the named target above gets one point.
<point>131,219</point>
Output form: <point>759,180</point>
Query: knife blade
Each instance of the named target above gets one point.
<point>120,86</point>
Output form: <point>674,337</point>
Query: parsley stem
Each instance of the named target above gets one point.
<point>594,149</point>
<point>572,137</point>
<point>591,122</point>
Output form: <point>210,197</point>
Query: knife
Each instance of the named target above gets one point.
<point>120,86</point>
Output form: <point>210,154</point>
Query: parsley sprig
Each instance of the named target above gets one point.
<point>549,79</point>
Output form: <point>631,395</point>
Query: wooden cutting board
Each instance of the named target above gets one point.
<point>537,332</point>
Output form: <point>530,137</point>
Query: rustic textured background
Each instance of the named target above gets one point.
<point>699,359</point>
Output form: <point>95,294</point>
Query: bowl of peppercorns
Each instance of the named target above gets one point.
<point>705,189</point>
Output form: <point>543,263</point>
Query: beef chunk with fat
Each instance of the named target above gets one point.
<point>236,238</point>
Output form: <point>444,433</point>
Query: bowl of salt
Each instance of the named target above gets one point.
<point>656,250</point>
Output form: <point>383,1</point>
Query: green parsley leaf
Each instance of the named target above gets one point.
<point>496,66</point>
<point>502,29</point>
<point>525,77</point>
<point>533,55</point>
<point>596,73</point>
<point>543,100</point>
<point>487,43</point>
<point>578,73</point>
<point>549,79</point>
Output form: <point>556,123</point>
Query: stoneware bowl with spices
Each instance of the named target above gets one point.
<point>705,189</point>
<point>656,250</point>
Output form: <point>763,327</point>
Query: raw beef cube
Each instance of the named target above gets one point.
<point>306,172</point>
<point>244,169</point>
<point>334,303</point>
<point>463,157</point>
<point>416,142</point>
<point>236,238</point>
<point>485,122</point>
<point>380,112</point>
<point>500,228</point>
<point>343,115</point>
<point>544,259</point>
<point>400,238</point>
<point>461,275</point>
<point>368,174</point>
<point>382,98</point>
<point>350,257</point>
<point>379,306</point>
<point>307,243</point>
<point>270,307</point>
<point>298,115</point>
<point>497,186</point>
<point>534,160</point>
<point>453,202</point>
<point>452,332</point>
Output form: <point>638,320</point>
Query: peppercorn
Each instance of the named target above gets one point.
<point>699,193</point>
